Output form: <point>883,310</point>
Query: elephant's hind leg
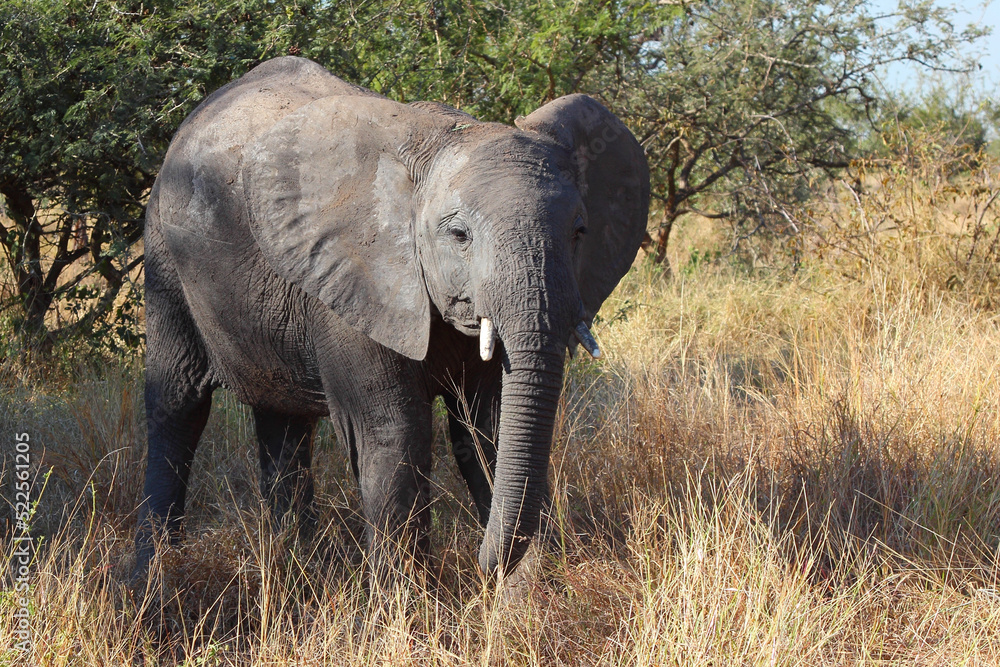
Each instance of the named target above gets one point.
<point>471,428</point>
<point>286,481</point>
<point>175,420</point>
<point>178,398</point>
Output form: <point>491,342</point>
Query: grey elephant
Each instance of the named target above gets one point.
<point>320,250</point>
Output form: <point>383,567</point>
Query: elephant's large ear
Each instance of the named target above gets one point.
<point>329,201</point>
<point>613,176</point>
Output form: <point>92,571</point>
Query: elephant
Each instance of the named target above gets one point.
<point>322,251</point>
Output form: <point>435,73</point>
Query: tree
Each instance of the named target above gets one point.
<point>952,110</point>
<point>741,103</point>
<point>497,60</point>
<point>90,95</point>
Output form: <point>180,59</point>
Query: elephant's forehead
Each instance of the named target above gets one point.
<point>510,158</point>
<point>516,149</point>
<point>490,168</point>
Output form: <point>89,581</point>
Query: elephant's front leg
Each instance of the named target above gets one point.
<point>394,463</point>
<point>286,483</point>
<point>381,411</point>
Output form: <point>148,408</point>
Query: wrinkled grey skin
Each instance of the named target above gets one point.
<point>320,250</point>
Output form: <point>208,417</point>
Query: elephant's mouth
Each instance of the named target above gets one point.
<point>467,327</point>
<point>460,313</point>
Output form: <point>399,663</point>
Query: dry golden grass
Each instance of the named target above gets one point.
<point>763,471</point>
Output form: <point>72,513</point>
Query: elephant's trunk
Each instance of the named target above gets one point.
<point>527,416</point>
<point>533,319</point>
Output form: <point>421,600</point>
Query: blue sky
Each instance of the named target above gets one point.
<point>906,77</point>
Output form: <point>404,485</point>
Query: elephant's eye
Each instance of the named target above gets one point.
<point>579,229</point>
<point>460,235</point>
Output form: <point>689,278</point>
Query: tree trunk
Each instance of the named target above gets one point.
<point>24,253</point>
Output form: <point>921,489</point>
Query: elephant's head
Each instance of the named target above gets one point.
<point>388,213</point>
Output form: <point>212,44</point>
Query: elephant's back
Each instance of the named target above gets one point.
<point>240,111</point>
<point>199,180</point>
<point>252,322</point>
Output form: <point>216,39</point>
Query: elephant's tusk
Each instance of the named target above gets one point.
<point>586,339</point>
<point>487,338</point>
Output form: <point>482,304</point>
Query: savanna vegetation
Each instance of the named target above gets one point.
<point>788,455</point>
